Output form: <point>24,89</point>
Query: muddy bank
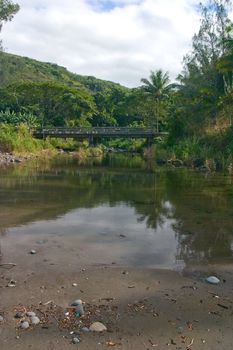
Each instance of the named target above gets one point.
<point>141,308</point>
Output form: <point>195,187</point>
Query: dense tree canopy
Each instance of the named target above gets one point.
<point>52,103</point>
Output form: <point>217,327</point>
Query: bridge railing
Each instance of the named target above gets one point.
<point>97,131</point>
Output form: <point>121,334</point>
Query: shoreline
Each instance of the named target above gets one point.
<point>142,308</point>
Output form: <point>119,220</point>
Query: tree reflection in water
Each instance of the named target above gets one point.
<point>200,206</point>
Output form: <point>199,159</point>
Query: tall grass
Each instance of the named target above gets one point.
<point>215,151</point>
<point>18,139</point>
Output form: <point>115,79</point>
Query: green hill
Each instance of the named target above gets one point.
<point>58,97</point>
<point>16,68</point>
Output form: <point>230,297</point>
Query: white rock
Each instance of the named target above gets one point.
<point>1,319</point>
<point>97,327</point>
<point>32,251</point>
<point>212,280</point>
<point>30,314</point>
<point>35,320</point>
<point>24,325</point>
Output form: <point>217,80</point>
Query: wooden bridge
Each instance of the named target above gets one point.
<point>97,133</point>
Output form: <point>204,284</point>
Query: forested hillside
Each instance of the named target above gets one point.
<point>14,68</point>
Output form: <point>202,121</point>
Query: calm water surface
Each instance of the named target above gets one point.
<point>122,209</point>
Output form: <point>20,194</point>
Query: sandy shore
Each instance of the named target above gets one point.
<point>141,308</point>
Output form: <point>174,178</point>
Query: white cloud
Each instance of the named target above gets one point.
<point>119,40</point>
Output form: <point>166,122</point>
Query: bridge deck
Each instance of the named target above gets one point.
<point>111,132</point>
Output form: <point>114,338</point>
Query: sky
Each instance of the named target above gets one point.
<point>117,40</point>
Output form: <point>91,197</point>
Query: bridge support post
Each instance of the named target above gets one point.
<point>149,142</point>
<point>91,141</point>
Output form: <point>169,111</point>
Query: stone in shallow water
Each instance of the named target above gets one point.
<point>212,280</point>
<point>97,327</point>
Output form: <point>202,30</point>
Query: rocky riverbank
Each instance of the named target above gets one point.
<point>203,165</point>
<point>9,158</point>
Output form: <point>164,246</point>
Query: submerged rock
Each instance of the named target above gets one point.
<point>212,280</point>
<point>97,327</point>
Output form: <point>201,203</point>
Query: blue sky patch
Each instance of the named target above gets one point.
<point>108,5</point>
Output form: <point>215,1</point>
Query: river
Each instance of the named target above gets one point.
<point>118,210</point>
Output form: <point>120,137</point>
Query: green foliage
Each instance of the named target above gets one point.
<point>7,10</point>
<point>17,68</point>
<point>132,145</point>
<point>156,93</point>
<point>18,139</point>
<point>53,104</point>
<point>8,117</point>
<point>197,111</point>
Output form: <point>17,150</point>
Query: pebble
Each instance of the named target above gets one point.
<point>42,241</point>
<point>212,280</point>
<point>24,325</point>
<point>35,320</point>
<point>97,327</point>
<point>18,315</point>
<point>85,330</point>
<point>11,284</point>
<point>1,319</point>
<point>74,285</point>
<point>179,329</point>
<point>79,310</point>
<point>32,252</point>
<point>75,340</point>
<point>77,302</point>
<point>30,314</point>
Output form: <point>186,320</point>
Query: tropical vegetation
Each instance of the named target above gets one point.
<point>196,110</point>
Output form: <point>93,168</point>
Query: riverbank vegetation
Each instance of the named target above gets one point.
<point>196,109</point>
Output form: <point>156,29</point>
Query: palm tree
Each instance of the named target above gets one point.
<point>157,89</point>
